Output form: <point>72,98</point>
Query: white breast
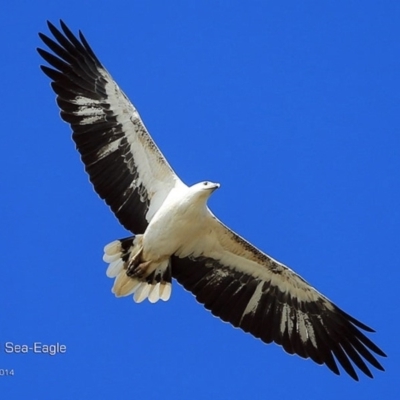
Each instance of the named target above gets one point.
<point>176,226</point>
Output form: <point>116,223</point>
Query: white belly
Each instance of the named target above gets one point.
<point>176,225</point>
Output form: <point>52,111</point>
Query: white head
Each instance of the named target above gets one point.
<point>203,190</point>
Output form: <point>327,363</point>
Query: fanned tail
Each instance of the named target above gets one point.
<point>124,260</point>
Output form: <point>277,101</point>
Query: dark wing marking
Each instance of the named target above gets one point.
<point>124,164</point>
<point>243,286</point>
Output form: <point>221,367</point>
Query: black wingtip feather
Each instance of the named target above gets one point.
<point>89,49</point>
<point>354,321</point>
<point>50,72</point>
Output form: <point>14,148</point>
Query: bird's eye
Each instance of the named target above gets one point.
<point>205,183</point>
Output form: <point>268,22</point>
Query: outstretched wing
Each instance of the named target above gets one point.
<point>125,166</point>
<point>252,291</point>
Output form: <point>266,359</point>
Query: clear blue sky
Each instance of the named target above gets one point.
<point>293,108</point>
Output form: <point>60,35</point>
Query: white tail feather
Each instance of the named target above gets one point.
<point>142,292</point>
<point>115,268</point>
<point>125,285</point>
<point>154,294</point>
<point>165,291</point>
<point>110,258</point>
<point>113,248</point>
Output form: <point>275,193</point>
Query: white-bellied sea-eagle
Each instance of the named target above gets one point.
<point>175,235</point>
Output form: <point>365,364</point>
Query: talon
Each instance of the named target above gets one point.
<point>139,270</point>
<point>134,263</point>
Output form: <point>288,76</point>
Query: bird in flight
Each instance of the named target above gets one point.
<point>174,233</point>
